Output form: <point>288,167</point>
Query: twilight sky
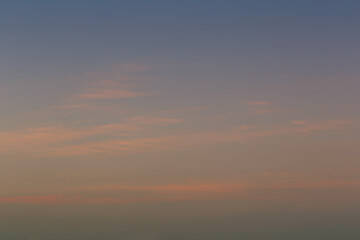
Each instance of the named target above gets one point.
<point>201,119</point>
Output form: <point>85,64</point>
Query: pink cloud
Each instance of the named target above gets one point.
<point>306,127</point>
<point>125,138</point>
<point>117,72</point>
<point>52,140</point>
<point>257,103</point>
<point>299,122</point>
<point>266,111</point>
<point>109,82</point>
<point>66,200</point>
<point>175,193</point>
<point>198,188</point>
<point>71,106</point>
<point>112,94</point>
<point>108,89</point>
<point>195,140</point>
<point>131,67</point>
<point>150,120</point>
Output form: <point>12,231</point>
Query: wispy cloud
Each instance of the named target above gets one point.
<point>262,107</point>
<point>50,140</point>
<point>71,106</point>
<point>256,103</point>
<point>164,189</point>
<point>106,194</point>
<point>150,120</point>
<point>266,111</point>
<point>112,94</point>
<point>113,82</point>
<point>111,90</point>
<point>59,199</point>
<point>125,138</point>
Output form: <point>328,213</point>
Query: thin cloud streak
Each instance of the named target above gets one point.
<point>112,94</point>
<point>43,140</point>
<point>59,199</point>
<point>109,89</point>
<point>257,103</point>
<point>177,193</point>
<point>195,140</point>
<point>60,141</point>
<point>112,82</point>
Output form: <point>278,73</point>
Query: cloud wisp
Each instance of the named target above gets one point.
<point>111,90</point>
<point>128,137</point>
<point>256,103</point>
<point>108,194</point>
<point>113,82</point>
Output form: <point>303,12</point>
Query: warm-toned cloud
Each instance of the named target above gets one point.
<point>115,70</point>
<point>150,120</point>
<point>238,134</point>
<point>308,127</point>
<point>262,108</point>
<point>59,199</point>
<point>106,194</point>
<point>71,106</point>
<point>256,103</point>
<point>111,90</point>
<point>198,188</point>
<point>139,134</point>
<point>50,140</point>
<point>299,122</point>
<point>266,111</point>
<point>111,94</point>
<point>113,82</point>
<point>125,138</point>
<point>159,193</point>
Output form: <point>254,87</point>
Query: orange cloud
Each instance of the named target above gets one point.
<point>306,127</point>
<point>111,90</point>
<point>150,120</point>
<point>112,94</point>
<point>199,188</point>
<point>54,139</point>
<point>256,103</point>
<point>194,140</point>
<point>203,192</point>
<point>163,193</point>
<point>65,200</point>
<point>109,83</point>
<point>123,138</point>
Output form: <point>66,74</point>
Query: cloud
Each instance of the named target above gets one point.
<point>256,103</point>
<point>150,120</point>
<point>307,127</point>
<point>113,82</point>
<point>71,106</point>
<point>106,194</point>
<point>266,111</point>
<point>125,138</point>
<point>159,193</point>
<point>262,108</point>
<point>50,141</point>
<point>121,69</point>
<point>168,189</point>
<point>108,89</point>
<point>112,94</point>
<point>299,122</point>
<point>240,134</point>
<point>59,199</point>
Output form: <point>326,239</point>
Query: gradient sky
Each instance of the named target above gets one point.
<point>203,119</point>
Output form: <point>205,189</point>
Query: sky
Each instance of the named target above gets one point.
<point>156,120</point>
